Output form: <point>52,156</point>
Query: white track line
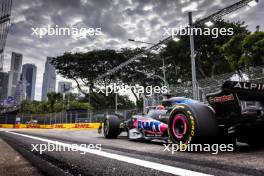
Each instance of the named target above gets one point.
<point>139,162</point>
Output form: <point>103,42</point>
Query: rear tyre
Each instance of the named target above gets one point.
<point>111,126</point>
<point>192,123</point>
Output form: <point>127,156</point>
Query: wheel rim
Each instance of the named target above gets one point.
<point>179,126</point>
<point>106,127</point>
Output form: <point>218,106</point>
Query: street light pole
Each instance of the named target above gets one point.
<point>163,68</point>
<point>194,81</point>
<point>116,103</point>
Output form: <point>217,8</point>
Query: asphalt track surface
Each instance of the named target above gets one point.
<point>123,157</point>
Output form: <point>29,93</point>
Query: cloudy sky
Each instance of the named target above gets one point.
<point>118,19</point>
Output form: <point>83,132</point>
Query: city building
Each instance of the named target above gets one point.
<point>29,72</point>
<point>14,73</point>
<point>3,85</point>
<point>1,61</point>
<point>64,87</point>
<point>5,12</point>
<point>20,92</point>
<point>49,79</point>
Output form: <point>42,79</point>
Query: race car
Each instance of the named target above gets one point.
<point>234,113</point>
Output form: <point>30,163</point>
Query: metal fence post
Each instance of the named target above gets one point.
<point>90,114</point>
<point>66,116</point>
<point>70,116</point>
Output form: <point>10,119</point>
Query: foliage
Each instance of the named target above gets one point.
<point>26,107</point>
<point>108,102</point>
<point>54,104</point>
<point>79,105</point>
<point>53,100</point>
<point>245,50</point>
<point>210,59</point>
<point>253,46</point>
<point>84,68</point>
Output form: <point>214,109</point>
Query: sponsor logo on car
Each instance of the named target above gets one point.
<point>221,99</point>
<point>192,126</point>
<point>249,86</point>
<point>151,125</point>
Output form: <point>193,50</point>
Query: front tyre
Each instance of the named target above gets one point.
<point>111,126</point>
<point>192,123</point>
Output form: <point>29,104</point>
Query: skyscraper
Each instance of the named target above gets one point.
<point>1,61</point>
<point>29,72</point>
<point>64,87</point>
<point>14,73</point>
<point>5,11</point>
<point>20,92</point>
<point>49,79</point>
<point>3,85</point>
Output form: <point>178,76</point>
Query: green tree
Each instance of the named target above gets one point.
<point>136,72</point>
<point>84,68</point>
<point>79,105</point>
<point>210,59</point>
<point>245,50</point>
<point>233,51</point>
<point>54,100</point>
<point>108,102</point>
<point>26,107</point>
<point>253,47</point>
<point>42,107</point>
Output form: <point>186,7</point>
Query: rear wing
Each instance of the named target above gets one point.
<point>228,99</point>
<point>245,91</point>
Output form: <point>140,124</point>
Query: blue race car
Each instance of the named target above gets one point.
<point>234,113</point>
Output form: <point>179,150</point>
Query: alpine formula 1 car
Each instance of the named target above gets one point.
<point>234,113</point>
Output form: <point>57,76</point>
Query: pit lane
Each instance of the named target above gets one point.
<point>245,161</point>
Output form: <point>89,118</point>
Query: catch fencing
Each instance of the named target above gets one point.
<point>213,84</point>
<point>66,117</point>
